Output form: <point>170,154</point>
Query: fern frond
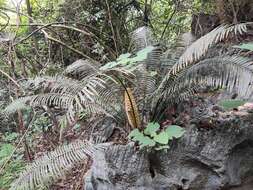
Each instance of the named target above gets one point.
<point>53,165</point>
<point>131,109</point>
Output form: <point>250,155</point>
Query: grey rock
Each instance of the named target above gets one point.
<point>204,159</point>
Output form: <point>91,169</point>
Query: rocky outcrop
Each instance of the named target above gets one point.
<point>206,158</point>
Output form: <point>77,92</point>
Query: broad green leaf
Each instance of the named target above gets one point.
<point>139,137</point>
<point>162,138</point>
<point>124,59</point>
<point>174,131</point>
<point>146,141</point>
<point>248,46</point>
<point>110,65</point>
<point>231,104</point>
<point>134,133</point>
<point>153,73</point>
<point>151,129</point>
<point>142,54</point>
<point>124,56</point>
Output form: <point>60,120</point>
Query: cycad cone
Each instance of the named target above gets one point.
<point>131,109</point>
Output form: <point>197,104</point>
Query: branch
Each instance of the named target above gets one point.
<point>168,22</point>
<point>65,45</point>
<point>9,77</point>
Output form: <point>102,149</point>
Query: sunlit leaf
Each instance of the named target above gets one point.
<point>231,104</point>
<point>174,131</point>
<point>248,46</point>
<point>151,129</point>
<point>162,138</point>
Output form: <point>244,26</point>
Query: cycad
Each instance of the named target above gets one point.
<point>182,80</point>
<point>222,72</point>
<point>75,95</point>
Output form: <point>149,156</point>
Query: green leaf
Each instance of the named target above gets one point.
<point>231,104</point>
<point>162,138</point>
<point>146,141</point>
<point>139,137</point>
<point>174,131</point>
<point>6,150</point>
<point>126,59</point>
<point>142,54</point>
<point>151,129</point>
<point>110,65</point>
<point>124,56</point>
<point>134,133</point>
<point>248,46</point>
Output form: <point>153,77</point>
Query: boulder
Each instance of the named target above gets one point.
<point>205,158</point>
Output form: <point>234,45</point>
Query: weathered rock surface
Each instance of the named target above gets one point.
<point>214,158</point>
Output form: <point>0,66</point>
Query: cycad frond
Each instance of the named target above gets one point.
<point>153,61</point>
<point>50,167</point>
<point>145,83</point>
<point>51,100</point>
<point>200,46</point>
<point>142,37</point>
<point>57,84</point>
<point>230,72</point>
<point>82,68</point>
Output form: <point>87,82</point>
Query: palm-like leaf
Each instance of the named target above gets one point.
<point>50,167</point>
<point>201,46</point>
<point>142,37</point>
<point>230,72</point>
<point>82,68</point>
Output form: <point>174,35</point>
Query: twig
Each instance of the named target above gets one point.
<point>9,77</point>
<point>7,23</point>
<point>168,22</point>
<point>113,32</point>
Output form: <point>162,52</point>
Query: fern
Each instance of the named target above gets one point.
<point>53,165</point>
